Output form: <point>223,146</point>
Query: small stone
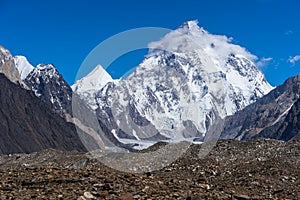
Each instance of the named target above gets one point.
<point>160,182</point>
<point>88,195</point>
<point>193,198</point>
<point>104,194</point>
<point>241,196</point>
<point>255,183</point>
<point>79,164</point>
<point>145,189</point>
<point>148,174</point>
<point>81,198</point>
<point>176,194</point>
<point>204,186</point>
<point>126,196</point>
<point>285,177</point>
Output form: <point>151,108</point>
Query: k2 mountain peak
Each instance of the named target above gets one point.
<point>189,79</point>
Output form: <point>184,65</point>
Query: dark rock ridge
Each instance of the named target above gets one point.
<point>289,129</point>
<point>44,80</point>
<point>27,124</point>
<point>276,115</point>
<point>49,85</point>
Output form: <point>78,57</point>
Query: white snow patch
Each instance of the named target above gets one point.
<point>283,114</point>
<point>23,66</point>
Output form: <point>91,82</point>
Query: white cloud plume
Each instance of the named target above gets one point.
<point>190,37</point>
<point>294,59</point>
<point>263,62</point>
<point>289,32</point>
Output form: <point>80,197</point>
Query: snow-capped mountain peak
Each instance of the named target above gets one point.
<point>191,27</point>
<point>96,79</point>
<point>44,71</point>
<point>88,86</point>
<point>190,36</point>
<point>189,80</point>
<point>23,66</point>
<point>46,67</point>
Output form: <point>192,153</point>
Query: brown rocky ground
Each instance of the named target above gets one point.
<point>257,169</point>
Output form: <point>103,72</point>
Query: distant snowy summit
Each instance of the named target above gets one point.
<point>189,80</point>
<point>88,86</point>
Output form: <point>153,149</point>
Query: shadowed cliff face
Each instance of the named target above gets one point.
<point>289,128</point>
<point>27,124</point>
<point>273,116</point>
<point>49,86</point>
<point>292,130</point>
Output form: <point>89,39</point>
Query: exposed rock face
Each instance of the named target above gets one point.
<point>44,80</point>
<point>291,126</point>
<point>8,67</point>
<point>27,124</point>
<point>288,129</point>
<point>272,116</point>
<point>49,85</point>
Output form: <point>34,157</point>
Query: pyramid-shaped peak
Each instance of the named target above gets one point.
<point>96,79</point>
<point>191,27</point>
<point>98,70</point>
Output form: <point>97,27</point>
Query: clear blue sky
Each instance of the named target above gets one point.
<point>64,32</point>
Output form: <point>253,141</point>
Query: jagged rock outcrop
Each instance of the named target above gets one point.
<point>273,116</point>
<point>49,85</point>
<point>8,67</point>
<point>287,129</point>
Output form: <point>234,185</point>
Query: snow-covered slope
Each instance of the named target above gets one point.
<point>23,66</point>
<point>189,80</point>
<point>87,87</point>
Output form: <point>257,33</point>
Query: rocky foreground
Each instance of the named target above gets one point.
<point>257,169</point>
